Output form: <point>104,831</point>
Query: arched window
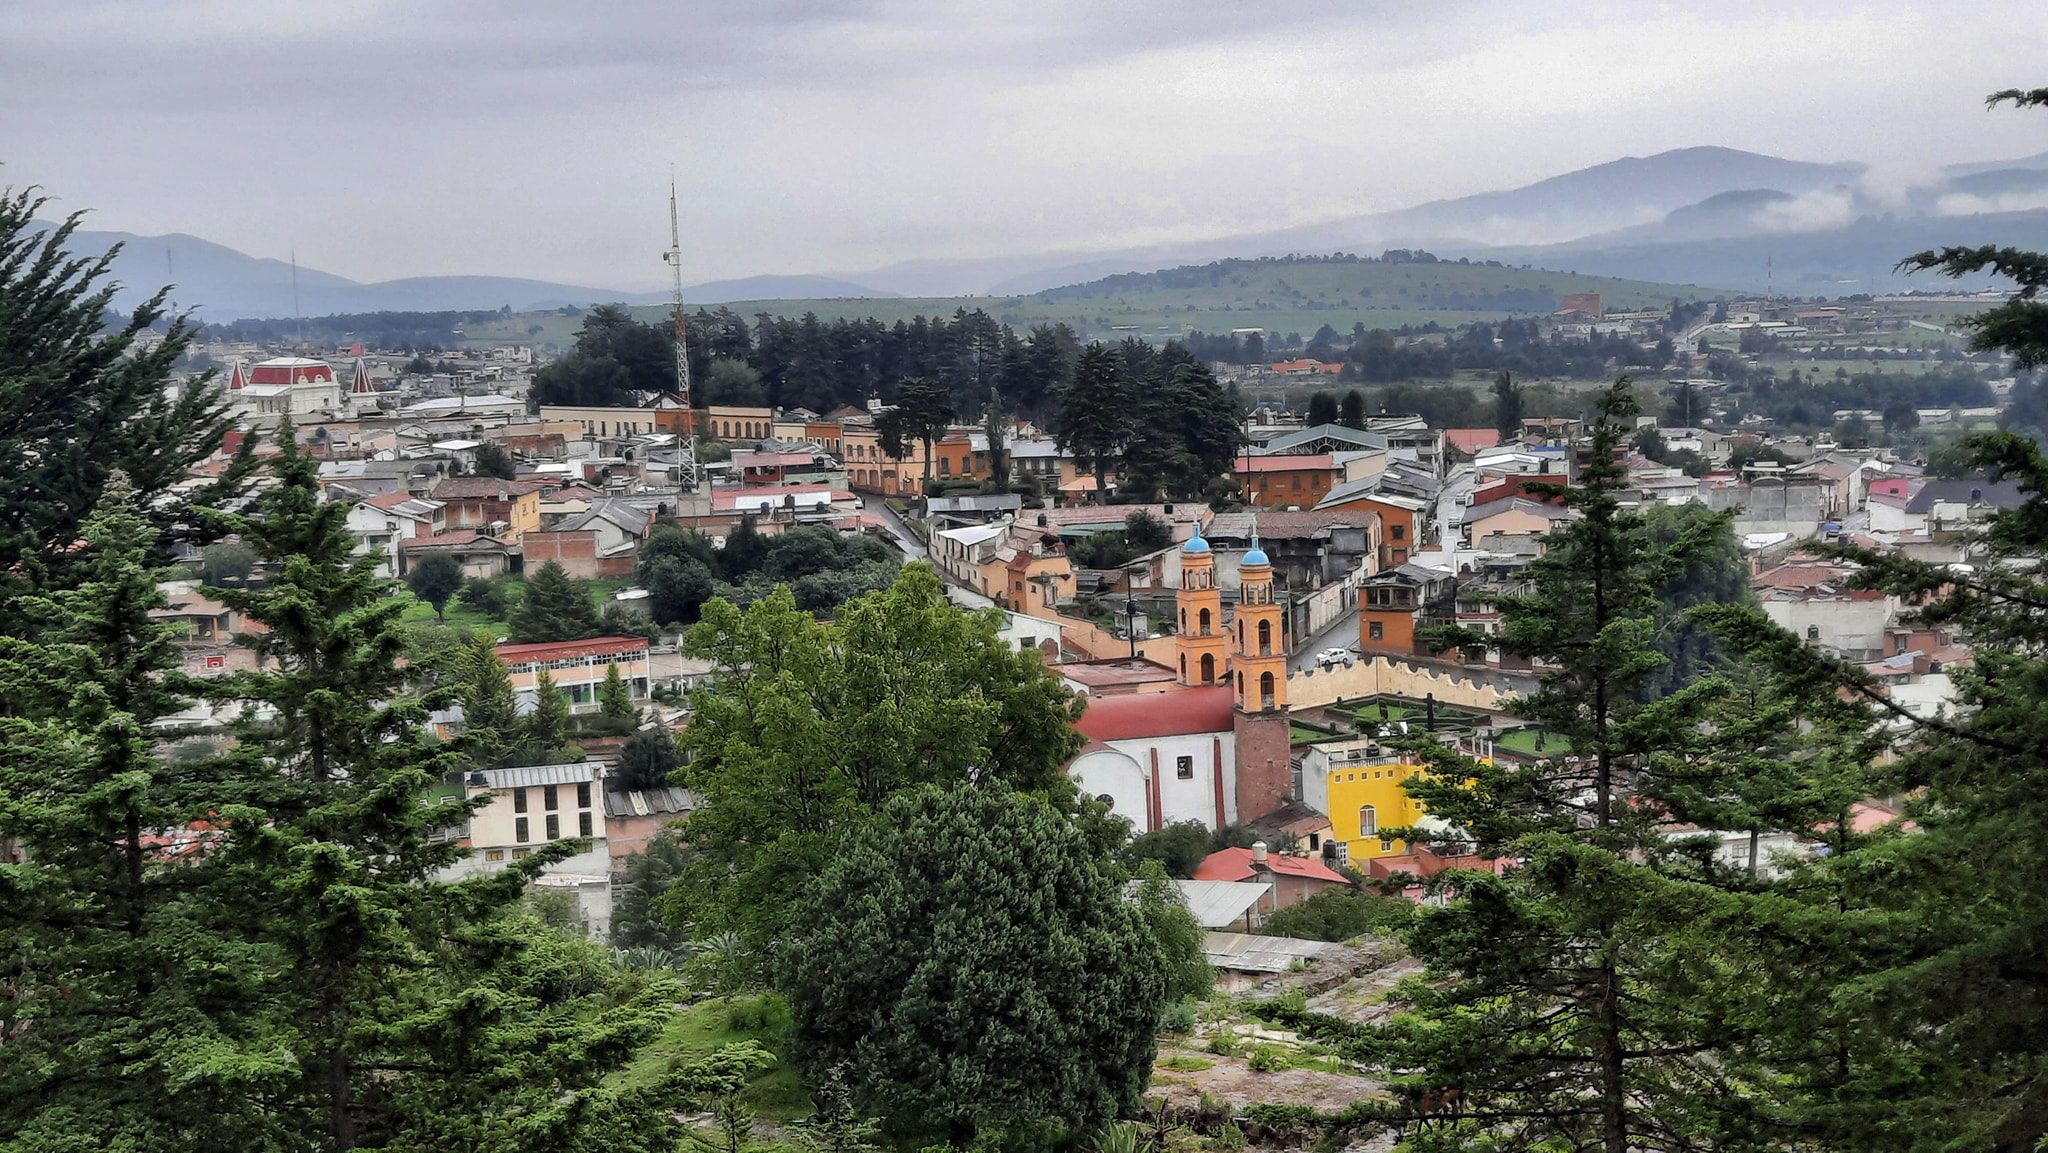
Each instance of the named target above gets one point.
<point>1265,638</point>
<point>1205,622</point>
<point>1368,821</point>
<point>1183,620</point>
<point>1183,666</point>
<point>1208,668</point>
<point>1265,690</point>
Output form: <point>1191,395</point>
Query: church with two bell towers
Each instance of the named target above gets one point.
<point>1214,746</point>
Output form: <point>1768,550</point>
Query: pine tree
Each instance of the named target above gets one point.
<point>79,402</point>
<point>1507,406</point>
<point>106,1029</point>
<point>1551,1008</point>
<point>490,707</point>
<point>614,699</point>
<point>1095,419</point>
<point>393,1008</point>
<point>547,726</point>
<point>555,608</point>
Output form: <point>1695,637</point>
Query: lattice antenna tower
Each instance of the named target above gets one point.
<point>686,467</point>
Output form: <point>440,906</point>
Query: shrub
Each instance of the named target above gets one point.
<point>1187,1064</point>
<point>1267,1059</point>
<point>1179,1016</point>
<point>1223,1045</point>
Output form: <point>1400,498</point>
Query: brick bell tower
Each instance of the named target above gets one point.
<point>1203,645</point>
<point>1265,777</point>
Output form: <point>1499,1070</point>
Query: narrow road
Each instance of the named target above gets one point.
<point>898,531</point>
<point>1341,633</point>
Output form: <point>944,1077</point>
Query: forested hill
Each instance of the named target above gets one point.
<point>1282,295</point>
<point>1396,280</point>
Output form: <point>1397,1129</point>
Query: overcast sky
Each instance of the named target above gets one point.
<point>386,138</point>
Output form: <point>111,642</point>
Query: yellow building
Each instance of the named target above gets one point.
<point>1358,784</point>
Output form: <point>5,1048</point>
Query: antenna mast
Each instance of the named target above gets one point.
<point>686,465</point>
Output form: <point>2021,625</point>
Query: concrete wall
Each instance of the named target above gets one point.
<point>1380,675</point>
<point>1856,627</point>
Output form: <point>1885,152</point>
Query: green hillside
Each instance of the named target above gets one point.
<point>1278,295</point>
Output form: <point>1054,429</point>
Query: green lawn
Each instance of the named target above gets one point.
<point>1302,735</point>
<point>777,1094</point>
<point>458,617</point>
<point>1523,742</point>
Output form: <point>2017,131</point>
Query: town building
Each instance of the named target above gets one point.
<point>577,667</point>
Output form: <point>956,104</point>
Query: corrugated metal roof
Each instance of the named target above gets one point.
<point>1219,903</point>
<point>527,776</point>
<point>1250,953</point>
<point>648,802</point>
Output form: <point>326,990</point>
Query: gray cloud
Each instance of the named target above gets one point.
<point>394,137</point>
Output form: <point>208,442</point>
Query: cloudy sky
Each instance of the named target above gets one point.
<point>386,138</point>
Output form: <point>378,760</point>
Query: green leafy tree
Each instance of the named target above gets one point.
<point>1180,936</point>
<point>80,401</point>
<point>648,760</point>
<point>1341,914</point>
<point>808,728</point>
<point>1717,575</point>
<point>380,1004</point>
<point>921,414</point>
<point>1507,406</point>
<point>547,726</point>
<point>435,578</point>
<point>1179,846</point>
<point>984,925</point>
<point>734,382</point>
<point>614,697</point>
<point>493,460</point>
<point>555,608</point>
<point>995,427</point>
<point>1322,408</point>
<point>484,596</point>
<point>227,562</point>
<point>676,588</point>
<point>1095,415</point>
<point>1185,429</point>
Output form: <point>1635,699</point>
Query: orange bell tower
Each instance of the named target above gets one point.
<point>1265,773</point>
<point>1201,640</point>
<point>1261,663</point>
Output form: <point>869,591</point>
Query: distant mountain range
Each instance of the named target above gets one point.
<point>223,284</point>
<point>1707,215</point>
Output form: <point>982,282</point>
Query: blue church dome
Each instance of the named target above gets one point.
<point>1195,543</point>
<point>1257,555</point>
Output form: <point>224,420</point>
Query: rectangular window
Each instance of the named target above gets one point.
<point>518,800</point>
<point>1400,532</point>
<point>518,853</point>
<point>1184,768</point>
<point>494,854</point>
<point>1373,630</point>
<point>1386,844</point>
<point>554,827</point>
<point>583,795</point>
<point>583,824</point>
<point>547,796</point>
<point>519,831</point>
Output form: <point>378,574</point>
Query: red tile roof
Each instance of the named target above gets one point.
<point>562,650</point>
<point>1236,865</point>
<point>1133,716</point>
<point>1471,440</point>
<point>484,488</point>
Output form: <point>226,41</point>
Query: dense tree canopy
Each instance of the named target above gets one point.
<point>917,940</point>
<point>808,728</point>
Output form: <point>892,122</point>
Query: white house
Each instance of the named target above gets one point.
<point>535,806</point>
<point>380,522</point>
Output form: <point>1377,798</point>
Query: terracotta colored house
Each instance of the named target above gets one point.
<point>1280,481</point>
<point>1294,879</point>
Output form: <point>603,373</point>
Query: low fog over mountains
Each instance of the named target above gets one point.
<point>1701,215</point>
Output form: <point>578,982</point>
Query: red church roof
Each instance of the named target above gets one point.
<point>1179,712</point>
<point>292,370</point>
<point>1236,865</point>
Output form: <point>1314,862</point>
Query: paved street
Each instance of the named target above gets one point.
<point>1341,634</point>
<point>897,529</point>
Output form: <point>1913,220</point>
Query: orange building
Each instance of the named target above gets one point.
<point>1396,605</point>
<point>1282,481</point>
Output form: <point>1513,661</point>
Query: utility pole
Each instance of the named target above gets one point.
<point>686,466</point>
